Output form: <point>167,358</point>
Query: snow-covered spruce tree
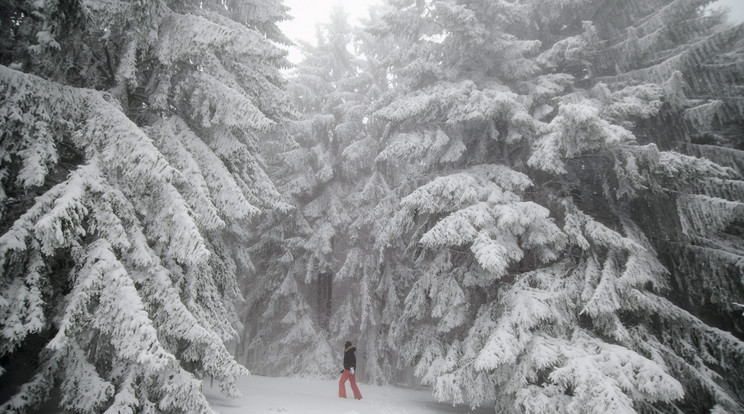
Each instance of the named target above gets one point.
<point>320,253</point>
<point>128,174</point>
<point>288,307</point>
<point>367,298</point>
<point>549,153</point>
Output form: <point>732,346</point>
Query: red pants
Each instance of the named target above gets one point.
<point>342,385</point>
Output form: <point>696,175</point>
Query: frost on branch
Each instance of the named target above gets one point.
<point>83,390</point>
<point>580,129</point>
<point>483,212</point>
<point>605,376</point>
<point>214,103</point>
<point>216,186</point>
<point>564,367</point>
<point>702,215</point>
<point>458,102</point>
<point>121,315</point>
<point>190,181</point>
<point>55,219</point>
<point>493,183</point>
<point>29,124</point>
<point>22,305</point>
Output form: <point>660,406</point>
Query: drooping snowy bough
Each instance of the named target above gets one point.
<point>128,175</point>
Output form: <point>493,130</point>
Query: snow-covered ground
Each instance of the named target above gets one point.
<point>263,395</point>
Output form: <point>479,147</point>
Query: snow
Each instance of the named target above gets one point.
<point>265,395</point>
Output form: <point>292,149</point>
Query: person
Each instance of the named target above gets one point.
<point>349,372</point>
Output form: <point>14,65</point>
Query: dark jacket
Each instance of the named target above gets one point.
<point>349,358</point>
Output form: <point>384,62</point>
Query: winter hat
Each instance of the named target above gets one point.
<point>347,344</point>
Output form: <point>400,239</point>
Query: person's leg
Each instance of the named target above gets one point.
<point>342,384</point>
<point>357,394</point>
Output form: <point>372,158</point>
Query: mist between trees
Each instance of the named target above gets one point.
<point>532,205</point>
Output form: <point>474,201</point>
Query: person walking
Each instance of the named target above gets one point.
<point>348,372</point>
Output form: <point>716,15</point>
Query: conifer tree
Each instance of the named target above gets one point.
<point>320,249</point>
<point>128,178</point>
<point>568,175</point>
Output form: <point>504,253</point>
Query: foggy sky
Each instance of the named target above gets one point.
<point>307,13</point>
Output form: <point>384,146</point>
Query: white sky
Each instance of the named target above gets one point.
<point>737,9</point>
<point>307,13</point>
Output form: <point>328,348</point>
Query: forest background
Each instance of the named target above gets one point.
<point>532,205</point>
